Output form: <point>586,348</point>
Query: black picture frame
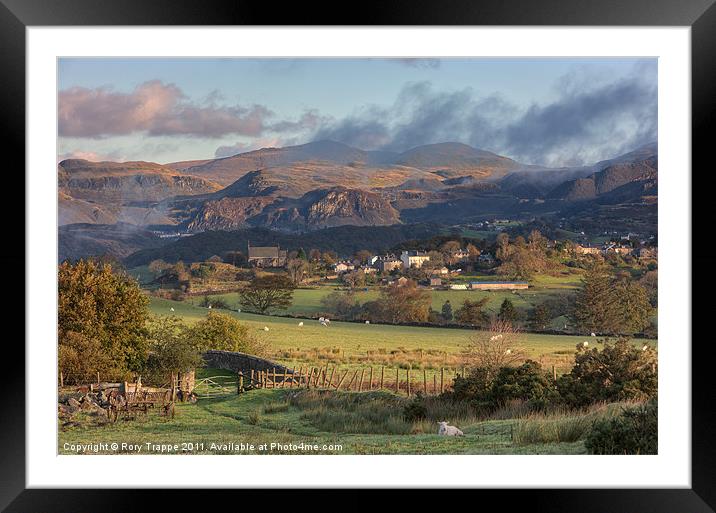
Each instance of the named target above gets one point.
<point>700,15</point>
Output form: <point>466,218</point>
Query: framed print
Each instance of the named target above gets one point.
<point>418,251</point>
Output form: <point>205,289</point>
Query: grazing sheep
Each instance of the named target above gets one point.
<point>265,328</point>
<point>172,309</point>
<point>445,430</point>
<point>593,334</point>
<point>300,323</point>
<point>585,343</point>
<point>367,322</point>
<point>645,348</point>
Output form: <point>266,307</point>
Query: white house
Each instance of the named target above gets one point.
<point>413,258</point>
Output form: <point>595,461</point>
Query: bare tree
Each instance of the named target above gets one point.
<point>297,269</point>
<point>499,346</point>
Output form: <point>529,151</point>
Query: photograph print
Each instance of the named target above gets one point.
<point>357,256</point>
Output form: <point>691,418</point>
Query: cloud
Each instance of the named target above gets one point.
<point>418,62</point>
<point>156,109</point>
<point>90,155</point>
<point>256,144</point>
<point>588,120</point>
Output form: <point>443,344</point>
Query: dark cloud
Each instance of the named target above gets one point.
<point>155,108</point>
<point>590,119</point>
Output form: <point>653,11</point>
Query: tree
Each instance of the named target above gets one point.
<point>447,311</point>
<point>354,278</point>
<point>507,311</point>
<point>266,293</point>
<point>363,256</point>
<point>472,312</point>
<point>503,246</point>
<point>103,311</point>
<point>314,255</point>
<point>473,251</point>
<point>301,254</point>
<point>343,305</point>
<point>297,269</point>
<point>608,305</point>
<point>498,346</point>
<point>540,317</point>
<point>158,266</point>
<point>172,348</point>
<point>224,332</point>
<point>402,303</point>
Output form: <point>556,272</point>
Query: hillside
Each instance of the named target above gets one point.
<point>342,239</point>
<point>115,240</point>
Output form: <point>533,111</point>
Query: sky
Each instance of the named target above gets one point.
<point>543,111</point>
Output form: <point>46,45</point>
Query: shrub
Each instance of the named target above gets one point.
<point>618,372</point>
<point>415,409</point>
<point>222,331</point>
<point>635,431</point>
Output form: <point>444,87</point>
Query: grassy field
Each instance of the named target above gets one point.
<point>308,301</point>
<point>351,344</point>
<point>330,423</point>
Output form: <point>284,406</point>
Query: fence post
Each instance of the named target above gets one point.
<point>62,381</point>
<point>435,383</point>
<point>554,374</point>
<point>425,381</point>
<point>407,375</point>
<point>252,378</point>
<point>397,380</point>
<point>309,377</point>
<point>360,384</point>
<point>241,383</point>
<point>353,378</point>
<point>370,387</point>
<point>382,369</point>
<point>442,380</point>
<point>273,385</point>
<point>330,381</point>
<point>340,381</point>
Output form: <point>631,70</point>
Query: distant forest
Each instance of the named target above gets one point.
<point>344,240</point>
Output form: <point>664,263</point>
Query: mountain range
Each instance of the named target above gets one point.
<point>326,184</point>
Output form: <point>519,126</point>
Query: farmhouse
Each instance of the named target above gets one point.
<point>587,250</point>
<point>266,256</point>
<point>436,282</point>
<point>386,263</point>
<point>342,267</point>
<point>414,259</point>
<point>498,285</point>
<point>441,271</point>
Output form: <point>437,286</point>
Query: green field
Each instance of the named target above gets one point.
<point>308,301</point>
<point>269,416</point>
<point>353,343</point>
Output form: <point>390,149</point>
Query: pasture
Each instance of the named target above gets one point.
<point>338,423</point>
<point>353,343</point>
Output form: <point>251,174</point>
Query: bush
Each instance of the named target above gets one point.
<point>635,431</point>
<point>487,390</point>
<point>224,332</point>
<point>415,409</point>
<point>618,372</point>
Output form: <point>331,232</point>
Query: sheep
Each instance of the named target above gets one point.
<point>172,309</point>
<point>585,343</point>
<point>445,430</point>
<point>266,328</point>
<point>300,324</point>
<point>367,322</point>
<point>594,334</point>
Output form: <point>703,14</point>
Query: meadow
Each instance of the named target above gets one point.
<point>329,422</point>
<point>351,344</point>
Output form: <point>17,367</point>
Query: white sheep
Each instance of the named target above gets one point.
<point>585,343</point>
<point>265,328</point>
<point>300,323</point>
<point>594,334</point>
<point>445,430</point>
<point>367,322</point>
<point>172,309</point>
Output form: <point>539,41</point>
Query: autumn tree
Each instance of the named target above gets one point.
<point>297,269</point>
<point>100,313</point>
<point>500,345</point>
<point>404,303</point>
<point>354,278</point>
<point>363,256</point>
<point>264,293</point>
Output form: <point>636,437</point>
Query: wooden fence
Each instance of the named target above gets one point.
<point>401,381</point>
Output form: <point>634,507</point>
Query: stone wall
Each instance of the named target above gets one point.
<point>235,362</point>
